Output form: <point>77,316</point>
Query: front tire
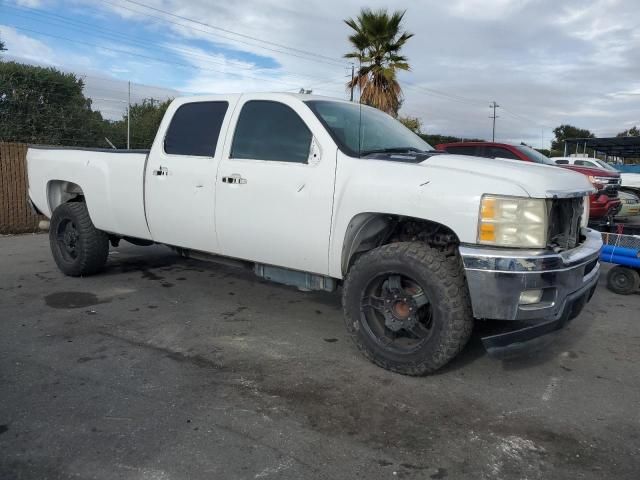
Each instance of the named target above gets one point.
<point>407,307</point>
<point>78,248</point>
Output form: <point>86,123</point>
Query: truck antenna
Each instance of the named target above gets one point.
<point>360,105</point>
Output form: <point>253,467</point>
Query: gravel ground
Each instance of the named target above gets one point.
<point>163,368</point>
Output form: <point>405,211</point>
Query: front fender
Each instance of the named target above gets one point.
<point>449,197</point>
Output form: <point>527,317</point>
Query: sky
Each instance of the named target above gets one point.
<point>545,62</point>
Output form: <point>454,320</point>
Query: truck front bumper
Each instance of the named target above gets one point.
<point>541,290</point>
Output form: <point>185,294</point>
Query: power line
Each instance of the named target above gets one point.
<point>261,40</point>
<point>313,58</point>
<point>525,119</point>
<point>416,87</point>
<point>448,96</point>
<point>167,92</point>
<point>135,41</point>
<point>112,34</point>
<point>157,59</point>
<point>186,53</point>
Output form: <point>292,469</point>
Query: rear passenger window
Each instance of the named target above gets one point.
<point>499,152</point>
<point>461,150</point>
<point>562,162</point>
<point>195,128</point>
<point>271,131</point>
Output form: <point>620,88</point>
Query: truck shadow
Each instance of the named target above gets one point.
<point>154,263</point>
<point>541,351</point>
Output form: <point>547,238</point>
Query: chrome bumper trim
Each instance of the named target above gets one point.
<point>497,277</point>
<point>519,260</point>
<point>523,340</point>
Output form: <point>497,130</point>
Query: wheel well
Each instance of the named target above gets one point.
<point>367,231</point>
<point>61,191</point>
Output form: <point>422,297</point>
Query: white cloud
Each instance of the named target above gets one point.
<point>30,3</point>
<point>547,61</point>
<point>483,9</point>
<point>23,46</point>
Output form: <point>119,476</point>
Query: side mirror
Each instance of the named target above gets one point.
<point>315,152</point>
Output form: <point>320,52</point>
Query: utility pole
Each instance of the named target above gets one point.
<point>129,117</point>
<point>494,105</point>
<point>352,77</point>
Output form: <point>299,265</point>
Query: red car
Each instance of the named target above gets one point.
<point>603,203</point>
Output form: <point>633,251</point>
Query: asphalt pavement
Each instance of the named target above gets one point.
<point>164,368</point>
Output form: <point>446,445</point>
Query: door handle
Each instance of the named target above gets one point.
<point>234,178</point>
<point>161,171</point>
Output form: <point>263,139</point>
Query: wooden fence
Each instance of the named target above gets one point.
<point>15,214</point>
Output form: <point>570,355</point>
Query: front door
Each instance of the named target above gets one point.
<point>275,187</point>
<point>180,179</point>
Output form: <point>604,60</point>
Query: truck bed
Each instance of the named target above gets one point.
<point>112,182</point>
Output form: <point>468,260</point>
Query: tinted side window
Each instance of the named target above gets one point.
<point>461,150</point>
<point>195,128</point>
<point>270,131</point>
<point>562,162</point>
<point>499,152</point>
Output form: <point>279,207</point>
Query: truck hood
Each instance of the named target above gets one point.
<point>539,181</point>
<point>594,172</point>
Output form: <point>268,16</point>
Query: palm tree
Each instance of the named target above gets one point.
<point>377,41</point>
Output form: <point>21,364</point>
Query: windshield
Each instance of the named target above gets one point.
<point>534,155</point>
<point>360,130</point>
<point>606,166</point>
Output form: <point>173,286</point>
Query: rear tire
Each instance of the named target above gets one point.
<point>623,280</point>
<point>430,318</point>
<point>78,248</point>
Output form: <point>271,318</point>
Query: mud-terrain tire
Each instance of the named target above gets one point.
<point>623,280</point>
<point>78,248</point>
<point>437,275</point>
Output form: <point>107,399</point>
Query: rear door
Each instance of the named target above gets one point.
<point>180,179</point>
<point>275,186</point>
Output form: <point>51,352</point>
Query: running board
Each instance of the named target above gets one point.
<point>304,281</point>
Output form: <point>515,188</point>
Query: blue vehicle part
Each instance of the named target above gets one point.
<point>620,251</point>
<point>620,260</point>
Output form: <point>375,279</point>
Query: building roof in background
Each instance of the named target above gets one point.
<point>615,146</point>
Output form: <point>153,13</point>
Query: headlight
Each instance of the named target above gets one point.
<point>584,221</point>
<point>513,222</point>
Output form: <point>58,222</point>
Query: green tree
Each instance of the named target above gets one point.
<point>434,139</point>
<point>545,151</point>
<point>567,131</point>
<point>44,105</point>
<point>412,123</point>
<point>145,120</point>
<point>2,49</point>
<point>632,132</point>
<point>377,41</point>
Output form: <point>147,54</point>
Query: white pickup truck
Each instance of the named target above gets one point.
<point>320,193</point>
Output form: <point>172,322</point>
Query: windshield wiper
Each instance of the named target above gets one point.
<point>364,153</point>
